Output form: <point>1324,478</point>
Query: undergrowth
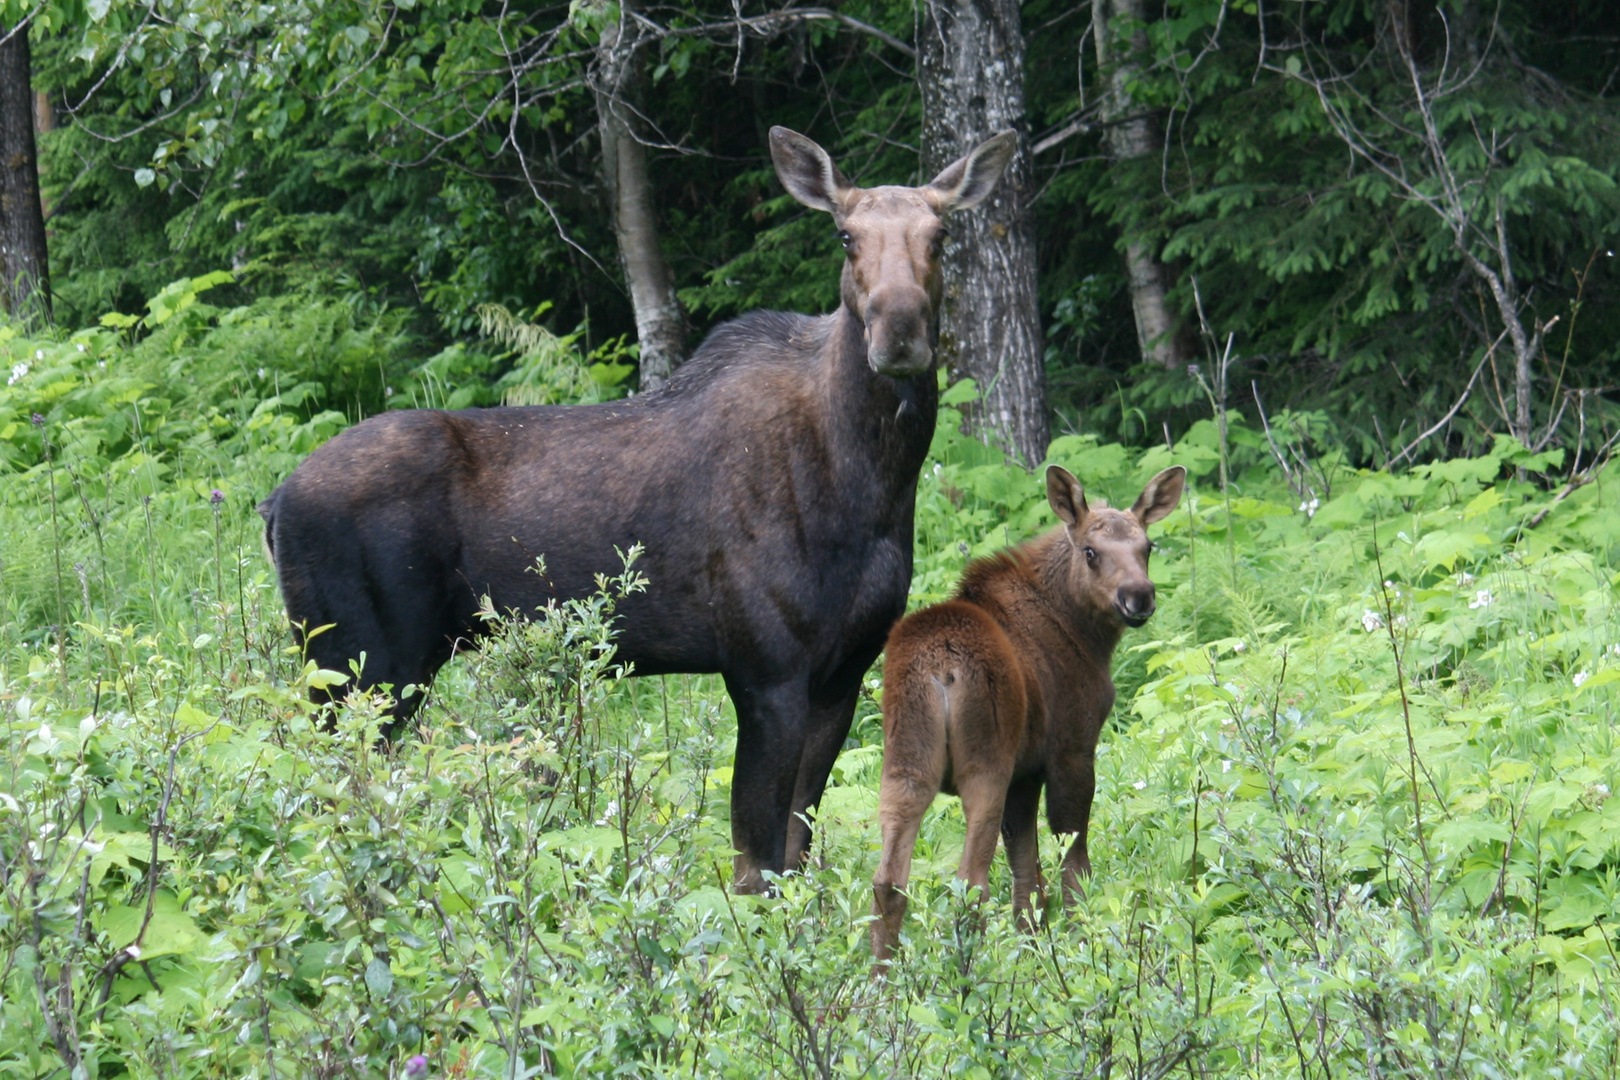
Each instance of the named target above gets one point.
<point>1354,810</point>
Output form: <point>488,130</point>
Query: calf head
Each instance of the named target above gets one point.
<point>1110,570</point>
<point>893,237</point>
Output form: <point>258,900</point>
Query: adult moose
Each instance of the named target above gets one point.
<point>1004,689</point>
<point>771,483</point>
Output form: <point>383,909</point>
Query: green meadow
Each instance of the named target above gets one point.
<point>1355,810</point>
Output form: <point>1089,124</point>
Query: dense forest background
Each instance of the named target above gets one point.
<point>1354,212</point>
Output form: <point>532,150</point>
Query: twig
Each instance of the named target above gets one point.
<point>1299,487</point>
<point>1446,419</point>
<point>1406,714</point>
<point>1575,483</point>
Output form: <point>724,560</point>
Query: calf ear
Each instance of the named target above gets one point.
<point>1160,496</point>
<point>1064,494</point>
<point>808,173</point>
<point>968,181</point>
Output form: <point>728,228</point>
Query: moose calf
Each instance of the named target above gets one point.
<point>1005,688</point>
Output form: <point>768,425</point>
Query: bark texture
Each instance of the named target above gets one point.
<point>27,286</point>
<point>660,322</point>
<point>1157,328</point>
<point>971,72</point>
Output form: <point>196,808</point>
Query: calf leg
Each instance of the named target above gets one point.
<point>984,798</point>
<point>1018,830</point>
<point>914,758</point>
<point>771,722</point>
<point>902,801</point>
<point>1068,800</point>
<point>828,728</point>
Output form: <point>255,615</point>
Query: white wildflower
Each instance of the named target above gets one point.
<point>1139,785</point>
<point>1580,677</point>
<point>1310,506</point>
<point>1464,578</point>
<point>1371,620</point>
<point>18,370</point>
<point>261,373</point>
<point>1601,789</point>
<point>1482,598</point>
<point>82,348</point>
<point>39,354</point>
<point>610,812</point>
<point>1226,766</point>
<point>1239,646</point>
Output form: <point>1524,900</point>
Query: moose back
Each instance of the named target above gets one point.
<point>771,484</point>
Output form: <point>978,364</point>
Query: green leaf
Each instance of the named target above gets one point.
<point>379,980</point>
<point>1445,548</point>
<point>960,393</point>
<point>171,932</point>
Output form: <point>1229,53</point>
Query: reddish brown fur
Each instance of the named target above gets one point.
<point>1004,689</point>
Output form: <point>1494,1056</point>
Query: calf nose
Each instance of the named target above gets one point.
<point>1136,602</point>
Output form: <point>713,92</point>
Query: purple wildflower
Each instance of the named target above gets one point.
<point>39,420</point>
<point>216,497</point>
<point>417,1067</point>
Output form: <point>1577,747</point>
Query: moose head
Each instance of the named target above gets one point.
<point>893,238</point>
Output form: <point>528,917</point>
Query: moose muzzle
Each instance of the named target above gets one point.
<point>897,337</point>
<point>1135,603</point>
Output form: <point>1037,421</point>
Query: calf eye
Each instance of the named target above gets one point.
<point>1091,556</point>
<point>847,240</point>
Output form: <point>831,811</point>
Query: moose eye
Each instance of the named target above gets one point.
<point>1091,556</point>
<point>847,240</point>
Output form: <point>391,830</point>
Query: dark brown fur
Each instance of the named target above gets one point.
<point>771,484</point>
<point>1004,689</point>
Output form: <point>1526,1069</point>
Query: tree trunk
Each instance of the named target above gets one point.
<point>1157,331</point>
<point>660,322</point>
<point>27,286</point>
<point>971,73</point>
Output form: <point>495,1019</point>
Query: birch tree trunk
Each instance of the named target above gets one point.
<point>971,72</point>
<point>1156,325</point>
<point>23,258</point>
<point>660,322</point>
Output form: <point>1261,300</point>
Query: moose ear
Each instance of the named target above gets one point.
<point>808,173</point>
<point>968,181</point>
<point>1160,496</point>
<point>1064,494</point>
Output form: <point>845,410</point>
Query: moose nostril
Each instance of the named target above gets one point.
<point>1136,602</point>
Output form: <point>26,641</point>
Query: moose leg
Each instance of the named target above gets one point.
<point>983,800</point>
<point>1068,803</point>
<point>771,724</point>
<point>828,728</point>
<point>383,605</point>
<point>902,801</point>
<point>1018,831</point>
